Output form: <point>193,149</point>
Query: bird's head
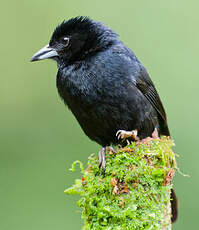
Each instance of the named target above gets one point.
<point>75,39</point>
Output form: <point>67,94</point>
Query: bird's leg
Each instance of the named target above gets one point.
<point>101,155</point>
<point>123,134</point>
<point>102,160</point>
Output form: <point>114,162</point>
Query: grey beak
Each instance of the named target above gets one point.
<point>44,53</point>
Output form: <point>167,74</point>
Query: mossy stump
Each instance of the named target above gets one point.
<point>133,192</point>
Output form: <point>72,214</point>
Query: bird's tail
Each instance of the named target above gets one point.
<point>174,206</point>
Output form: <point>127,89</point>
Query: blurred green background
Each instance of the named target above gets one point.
<point>39,137</point>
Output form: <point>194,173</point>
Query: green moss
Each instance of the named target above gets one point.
<point>134,191</point>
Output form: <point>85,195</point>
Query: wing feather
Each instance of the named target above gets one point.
<point>146,86</point>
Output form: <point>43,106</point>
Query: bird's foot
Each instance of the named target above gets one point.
<point>102,160</point>
<point>155,134</point>
<point>123,134</point>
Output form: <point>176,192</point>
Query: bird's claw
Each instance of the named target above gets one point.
<point>123,134</point>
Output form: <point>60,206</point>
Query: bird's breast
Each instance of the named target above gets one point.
<point>76,87</point>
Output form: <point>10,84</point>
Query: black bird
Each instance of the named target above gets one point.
<point>104,85</point>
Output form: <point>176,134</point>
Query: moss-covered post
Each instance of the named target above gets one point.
<point>134,191</point>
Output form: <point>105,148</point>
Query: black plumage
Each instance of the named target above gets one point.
<point>103,83</point>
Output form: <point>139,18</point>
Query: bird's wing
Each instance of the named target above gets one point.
<point>146,86</point>
<point>140,78</point>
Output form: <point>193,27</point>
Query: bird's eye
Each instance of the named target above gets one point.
<point>65,41</point>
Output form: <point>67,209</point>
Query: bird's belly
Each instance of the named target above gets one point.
<point>100,122</point>
<point>100,118</point>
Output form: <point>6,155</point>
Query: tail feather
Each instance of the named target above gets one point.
<point>174,206</point>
